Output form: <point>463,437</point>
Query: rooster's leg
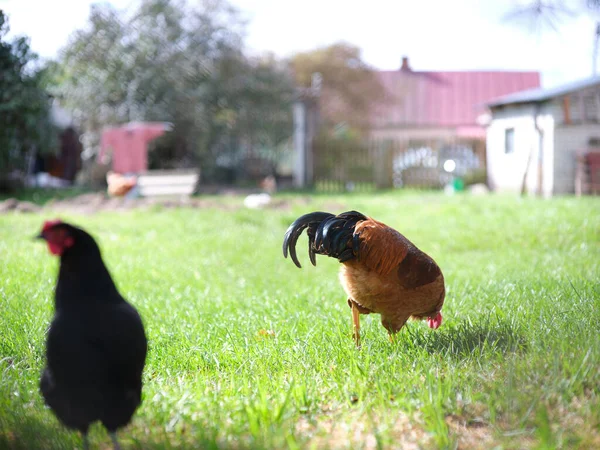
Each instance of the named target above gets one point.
<point>356,323</point>
<point>113,437</point>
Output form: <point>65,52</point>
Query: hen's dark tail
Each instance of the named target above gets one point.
<point>327,235</point>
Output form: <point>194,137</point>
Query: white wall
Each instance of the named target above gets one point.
<point>505,171</point>
<point>570,139</point>
<point>547,123</point>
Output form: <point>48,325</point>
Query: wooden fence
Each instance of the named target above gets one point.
<point>350,165</point>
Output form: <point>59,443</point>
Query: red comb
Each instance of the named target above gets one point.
<point>435,322</point>
<point>51,223</point>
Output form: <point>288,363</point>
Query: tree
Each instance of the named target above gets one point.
<point>24,104</point>
<point>172,62</point>
<point>350,88</point>
<point>549,13</point>
<point>256,110</point>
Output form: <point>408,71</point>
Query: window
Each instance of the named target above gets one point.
<point>566,106</point>
<point>509,141</point>
<point>575,111</point>
<point>590,108</point>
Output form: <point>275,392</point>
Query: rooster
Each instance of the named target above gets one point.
<point>382,271</point>
<point>96,346</point>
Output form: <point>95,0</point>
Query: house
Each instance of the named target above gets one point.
<point>424,120</point>
<point>534,136</point>
<point>438,111</point>
<point>441,105</point>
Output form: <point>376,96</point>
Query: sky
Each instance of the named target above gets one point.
<point>435,35</point>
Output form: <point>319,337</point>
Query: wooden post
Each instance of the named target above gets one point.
<point>306,127</point>
<point>383,160</point>
<point>299,144</point>
<point>567,109</point>
<point>376,147</point>
<point>312,128</point>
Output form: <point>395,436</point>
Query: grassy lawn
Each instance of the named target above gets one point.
<point>247,351</point>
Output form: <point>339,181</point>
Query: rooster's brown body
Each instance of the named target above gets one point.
<point>382,271</point>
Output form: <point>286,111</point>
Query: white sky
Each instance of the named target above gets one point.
<point>435,35</point>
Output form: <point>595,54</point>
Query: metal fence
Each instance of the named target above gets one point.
<point>352,165</point>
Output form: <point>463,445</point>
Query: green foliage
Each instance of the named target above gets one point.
<point>515,365</point>
<point>173,62</point>
<point>350,88</point>
<point>24,104</point>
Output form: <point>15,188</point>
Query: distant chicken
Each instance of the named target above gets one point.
<point>382,272</point>
<point>269,184</point>
<point>96,346</point>
<point>119,185</point>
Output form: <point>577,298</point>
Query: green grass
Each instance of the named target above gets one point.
<point>516,363</point>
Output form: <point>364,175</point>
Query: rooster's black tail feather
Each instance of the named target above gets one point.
<point>327,235</point>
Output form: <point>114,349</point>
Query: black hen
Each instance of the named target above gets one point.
<point>96,346</point>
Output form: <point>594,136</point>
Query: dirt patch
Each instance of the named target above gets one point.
<point>471,433</point>
<point>96,202</point>
<point>230,199</point>
<point>357,432</point>
<point>12,204</point>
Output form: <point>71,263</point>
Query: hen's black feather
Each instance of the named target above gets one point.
<point>96,346</point>
<point>327,235</point>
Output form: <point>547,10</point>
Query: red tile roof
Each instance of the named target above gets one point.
<point>447,99</point>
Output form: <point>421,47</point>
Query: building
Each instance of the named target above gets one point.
<point>425,119</point>
<point>60,167</point>
<point>441,105</point>
<point>432,117</point>
<point>534,136</point>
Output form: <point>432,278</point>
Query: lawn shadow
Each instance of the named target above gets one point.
<point>22,430</point>
<point>466,338</point>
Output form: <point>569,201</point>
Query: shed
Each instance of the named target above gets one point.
<point>534,137</point>
<point>65,162</point>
